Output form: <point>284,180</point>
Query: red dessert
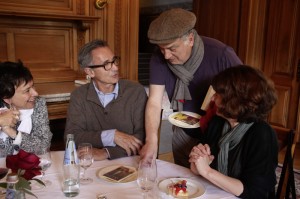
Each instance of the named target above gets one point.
<point>178,189</point>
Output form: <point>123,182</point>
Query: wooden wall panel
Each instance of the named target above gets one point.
<point>279,114</point>
<point>43,49</point>
<point>283,40</point>
<point>281,57</point>
<point>3,46</point>
<point>219,20</point>
<point>252,32</point>
<point>42,46</point>
<point>48,6</point>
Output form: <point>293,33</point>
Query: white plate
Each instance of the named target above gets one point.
<point>183,124</point>
<point>195,189</point>
<point>132,177</point>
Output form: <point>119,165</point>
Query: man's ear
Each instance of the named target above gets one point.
<point>89,72</point>
<point>191,39</point>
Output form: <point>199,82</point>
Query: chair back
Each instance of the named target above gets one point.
<point>286,184</point>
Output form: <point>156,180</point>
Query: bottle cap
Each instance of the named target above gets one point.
<point>12,178</point>
<point>70,136</point>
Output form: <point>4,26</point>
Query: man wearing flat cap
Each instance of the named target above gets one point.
<point>183,64</point>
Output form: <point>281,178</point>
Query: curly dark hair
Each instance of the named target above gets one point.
<point>12,75</point>
<point>247,94</point>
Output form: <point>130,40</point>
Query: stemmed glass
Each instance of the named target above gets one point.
<point>3,172</point>
<point>147,173</point>
<point>45,163</point>
<point>86,159</point>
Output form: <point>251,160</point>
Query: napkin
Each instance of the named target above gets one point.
<point>26,121</point>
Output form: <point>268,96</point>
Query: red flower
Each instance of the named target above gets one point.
<point>28,162</point>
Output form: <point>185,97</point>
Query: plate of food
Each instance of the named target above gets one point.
<point>117,173</point>
<point>185,119</point>
<point>181,187</point>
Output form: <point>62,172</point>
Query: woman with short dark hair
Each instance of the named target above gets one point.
<point>239,149</point>
<point>30,128</point>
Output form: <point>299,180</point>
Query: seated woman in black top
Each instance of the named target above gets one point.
<point>239,148</point>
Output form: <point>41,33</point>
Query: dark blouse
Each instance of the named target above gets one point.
<point>253,161</point>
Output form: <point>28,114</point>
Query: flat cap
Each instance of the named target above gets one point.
<point>170,25</point>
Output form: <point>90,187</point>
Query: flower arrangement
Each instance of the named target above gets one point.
<point>26,165</point>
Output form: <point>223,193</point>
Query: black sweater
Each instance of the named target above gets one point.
<point>253,161</point>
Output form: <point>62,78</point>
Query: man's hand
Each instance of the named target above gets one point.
<point>9,118</point>
<point>128,142</point>
<point>99,154</point>
<point>148,152</point>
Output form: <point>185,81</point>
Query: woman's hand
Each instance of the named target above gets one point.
<point>200,159</point>
<point>194,168</point>
<point>200,151</point>
<point>202,165</point>
<point>11,132</point>
<point>9,118</point>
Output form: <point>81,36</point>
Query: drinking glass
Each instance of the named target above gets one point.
<point>147,173</point>
<point>86,159</point>
<point>3,172</point>
<point>45,163</point>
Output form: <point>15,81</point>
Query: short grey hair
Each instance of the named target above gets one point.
<point>85,55</point>
<point>186,35</point>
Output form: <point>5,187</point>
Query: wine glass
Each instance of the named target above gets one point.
<point>45,163</point>
<point>3,172</point>
<point>147,173</point>
<point>86,159</point>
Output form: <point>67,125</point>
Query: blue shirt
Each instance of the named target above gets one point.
<point>107,136</point>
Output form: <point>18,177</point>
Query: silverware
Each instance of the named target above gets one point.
<point>101,196</point>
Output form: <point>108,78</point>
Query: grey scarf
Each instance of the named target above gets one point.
<point>185,74</point>
<point>230,138</point>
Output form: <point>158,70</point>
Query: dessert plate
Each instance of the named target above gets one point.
<point>117,173</point>
<point>185,119</point>
<point>194,188</point>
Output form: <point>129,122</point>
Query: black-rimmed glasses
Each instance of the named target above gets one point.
<point>108,65</point>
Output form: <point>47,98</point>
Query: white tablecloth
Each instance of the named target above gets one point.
<point>128,190</point>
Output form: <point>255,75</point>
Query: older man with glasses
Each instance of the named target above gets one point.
<point>107,112</point>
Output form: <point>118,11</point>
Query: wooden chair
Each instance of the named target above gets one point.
<point>286,184</point>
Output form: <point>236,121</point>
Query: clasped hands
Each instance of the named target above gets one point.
<point>8,120</point>
<point>200,159</point>
<point>128,142</point>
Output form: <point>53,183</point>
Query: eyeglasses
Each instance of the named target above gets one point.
<point>108,65</point>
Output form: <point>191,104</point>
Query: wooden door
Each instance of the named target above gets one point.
<point>282,60</point>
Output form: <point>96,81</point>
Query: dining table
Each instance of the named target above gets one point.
<point>113,190</point>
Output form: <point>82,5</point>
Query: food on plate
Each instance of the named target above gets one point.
<point>186,118</point>
<point>178,189</point>
<point>119,174</point>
